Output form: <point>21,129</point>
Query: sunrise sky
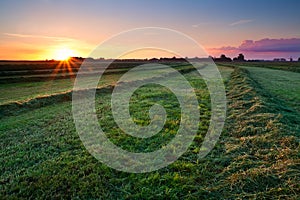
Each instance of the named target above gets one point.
<point>41,29</point>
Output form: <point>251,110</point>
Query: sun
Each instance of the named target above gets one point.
<point>63,54</point>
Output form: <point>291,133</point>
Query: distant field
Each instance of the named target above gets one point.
<point>286,66</point>
<point>257,155</point>
<point>18,88</point>
<point>283,85</point>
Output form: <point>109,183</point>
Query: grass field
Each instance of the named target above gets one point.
<point>257,155</point>
<point>283,85</point>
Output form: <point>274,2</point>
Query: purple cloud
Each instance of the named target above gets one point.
<point>271,45</point>
<point>263,49</point>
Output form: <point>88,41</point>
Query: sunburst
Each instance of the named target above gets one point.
<point>63,54</point>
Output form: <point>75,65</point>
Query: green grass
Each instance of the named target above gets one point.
<point>285,66</point>
<point>283,85</point>
<point>42,155</point>
<point>20,96</point>
<point>262,143</point>
<point>24,91</point>
<point>257,155</point>
<point>21,91</point>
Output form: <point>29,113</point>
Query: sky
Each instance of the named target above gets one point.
<point>42,29</point>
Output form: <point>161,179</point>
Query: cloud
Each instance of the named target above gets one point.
<point>240,22</point>
<point>266,45</point>
<point>271,45</point>
<point>266,48</point>
<point>59,39</point>
<point>200,24</point>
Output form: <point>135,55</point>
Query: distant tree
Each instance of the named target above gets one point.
<point>223,58</point>
<point>154,59</point>
<point>240,58</point>
<point>89,59</point>
<point>299,59</point>
<point>77,58</point>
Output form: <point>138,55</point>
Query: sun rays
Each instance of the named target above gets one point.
<point>66,66</point>
<point>65,69</point>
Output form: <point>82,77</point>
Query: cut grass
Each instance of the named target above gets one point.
<point>263,145</point>
<point>42,155</point>
<point>24,91</point>
<point>257,155</point>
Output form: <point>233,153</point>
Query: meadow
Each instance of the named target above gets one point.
<point>257,155</point>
